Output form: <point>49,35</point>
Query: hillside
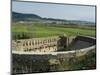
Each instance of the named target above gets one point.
<point>16,17</point>
<point>24,17</point>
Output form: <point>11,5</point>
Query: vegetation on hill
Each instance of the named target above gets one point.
<point>16,17</point>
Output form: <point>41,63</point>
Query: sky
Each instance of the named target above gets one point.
<point>58,11</point>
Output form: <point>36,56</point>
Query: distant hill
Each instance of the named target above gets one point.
<point>24,17</point>
<point>35,18</point>
<point>30,17</point>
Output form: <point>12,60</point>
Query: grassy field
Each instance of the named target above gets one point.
<point>41,30</point>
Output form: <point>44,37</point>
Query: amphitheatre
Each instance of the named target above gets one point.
<point>29,51</point>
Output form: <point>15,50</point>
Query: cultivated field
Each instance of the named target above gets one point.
<point>30,30</point>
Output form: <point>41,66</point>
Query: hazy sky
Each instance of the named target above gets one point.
<point>69,12</point>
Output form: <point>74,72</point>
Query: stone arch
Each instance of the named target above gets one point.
<point>26,43</point>
<point>30,43</point>
<point>33,42</point>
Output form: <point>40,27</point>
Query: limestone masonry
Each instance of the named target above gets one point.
<point>47,44</point>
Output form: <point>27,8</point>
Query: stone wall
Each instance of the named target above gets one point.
<point>23,61</point>
<point>48,44</point>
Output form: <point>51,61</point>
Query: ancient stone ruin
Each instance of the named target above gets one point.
<point>47,44</point>
<point>27,52</point>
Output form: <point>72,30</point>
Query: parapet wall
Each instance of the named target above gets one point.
<point>47,44</point>
<point>87,39</point>
<point>61,54</point>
